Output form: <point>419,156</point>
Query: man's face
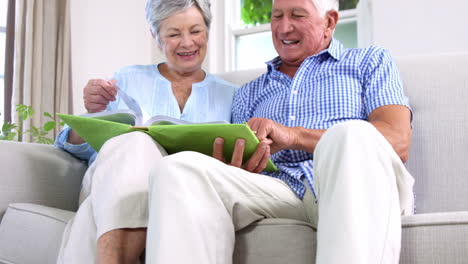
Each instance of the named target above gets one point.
<point>298,30</point>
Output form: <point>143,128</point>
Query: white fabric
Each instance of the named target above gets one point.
<point>198,205</point>
<point>356,174</point>
<point>115,195</point>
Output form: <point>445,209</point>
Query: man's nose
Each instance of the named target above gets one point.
<point>285,26</point>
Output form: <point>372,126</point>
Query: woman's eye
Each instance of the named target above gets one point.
<point>196,31</point>
<point>173,35</point>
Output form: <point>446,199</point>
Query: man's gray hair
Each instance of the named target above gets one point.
<point>158,10</point>
<point>323,6</point>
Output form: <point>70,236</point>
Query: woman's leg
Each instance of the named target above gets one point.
<point>118,199</point>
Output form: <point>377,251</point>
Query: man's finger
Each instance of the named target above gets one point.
<point>238,153</point>
<point>218,146</point>
<point>263,163</point>
<point>255,159</point>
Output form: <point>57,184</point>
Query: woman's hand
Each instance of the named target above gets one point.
<point>98,93</point>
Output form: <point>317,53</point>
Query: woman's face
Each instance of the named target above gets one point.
<point>183,40</point>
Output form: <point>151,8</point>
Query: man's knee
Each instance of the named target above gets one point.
<point>356,130</point>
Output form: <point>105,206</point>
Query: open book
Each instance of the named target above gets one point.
<point>134,116</point>
<point>173,138</point>
<point>130,117</point>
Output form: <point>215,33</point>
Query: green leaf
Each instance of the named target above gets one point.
<point>11,136</point>
<point>48,115</point>
<point>7,128</point>
<point>24,111</point>
<point>34,131</point>
<point>44,140</point>
<point>49,125</point>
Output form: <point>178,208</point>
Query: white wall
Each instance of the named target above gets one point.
<point>106,35</point>
<point>414,27</point>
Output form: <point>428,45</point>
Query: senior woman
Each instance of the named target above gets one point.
<point>110,225</point>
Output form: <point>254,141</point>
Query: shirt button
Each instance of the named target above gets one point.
<point>292,118</point>
<point>294,92</point>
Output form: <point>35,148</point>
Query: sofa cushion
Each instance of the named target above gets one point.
<point>31,233</point>
<point>435,238</point>
<point>289,241</point>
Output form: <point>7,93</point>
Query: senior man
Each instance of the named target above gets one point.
<point>337,125</point>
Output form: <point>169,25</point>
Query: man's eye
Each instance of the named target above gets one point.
<point>173,35</point>
<point>196,31</point>
<point>297,16</point>
<point>277,16</point>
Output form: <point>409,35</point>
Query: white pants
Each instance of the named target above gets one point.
<point>114,195</point>
<point>197,203</point>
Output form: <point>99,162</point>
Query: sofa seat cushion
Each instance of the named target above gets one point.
<point>31,233</point>
<point>276,241</point>
<point>435,238</point>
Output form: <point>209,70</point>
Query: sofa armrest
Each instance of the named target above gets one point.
<point>40,174</point>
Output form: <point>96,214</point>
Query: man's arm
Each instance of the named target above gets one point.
<point>394,123</point>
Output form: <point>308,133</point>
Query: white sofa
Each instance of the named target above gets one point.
<point>37,179</point>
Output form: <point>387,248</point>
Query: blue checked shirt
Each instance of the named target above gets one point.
<point>331,87</point>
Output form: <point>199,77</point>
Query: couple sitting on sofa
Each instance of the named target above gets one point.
<point>335,121</point>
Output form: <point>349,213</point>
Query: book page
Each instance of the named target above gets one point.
<point>124,116</point>
<point>133,105</point>
<point>167,120</point>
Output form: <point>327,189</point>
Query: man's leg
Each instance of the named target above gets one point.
<point>118,201</point>
<point>197,203</point>
<point>356,173</point>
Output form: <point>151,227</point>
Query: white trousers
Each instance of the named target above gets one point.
<point>197,203</point>
<point>114,195</point>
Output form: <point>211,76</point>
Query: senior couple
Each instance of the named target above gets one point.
<point>335,121</point>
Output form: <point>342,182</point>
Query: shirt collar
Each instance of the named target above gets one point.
<point>335,50</point>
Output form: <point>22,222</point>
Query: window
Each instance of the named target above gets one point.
<point>3,21</point>
<point>249,36</point>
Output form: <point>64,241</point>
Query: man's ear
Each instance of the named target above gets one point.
<point>331,19</point>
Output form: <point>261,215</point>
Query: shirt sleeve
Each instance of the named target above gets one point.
<point>81,151</point>
<point>240,105</point>
<point>382,82</point>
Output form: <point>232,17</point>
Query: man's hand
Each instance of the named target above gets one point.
<point>98,93</point>
<point>257,163</point>
<point>280,137</point>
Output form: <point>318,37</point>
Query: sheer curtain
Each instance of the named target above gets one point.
<point>42,77</point>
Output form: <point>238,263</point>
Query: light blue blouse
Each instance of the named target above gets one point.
<point>210,100</point>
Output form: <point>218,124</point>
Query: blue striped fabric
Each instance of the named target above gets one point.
<point>333,86</point>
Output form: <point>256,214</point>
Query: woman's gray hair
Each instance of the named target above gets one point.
<point>158,10</point>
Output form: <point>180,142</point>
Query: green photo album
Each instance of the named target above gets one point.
<point>169,133</point>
